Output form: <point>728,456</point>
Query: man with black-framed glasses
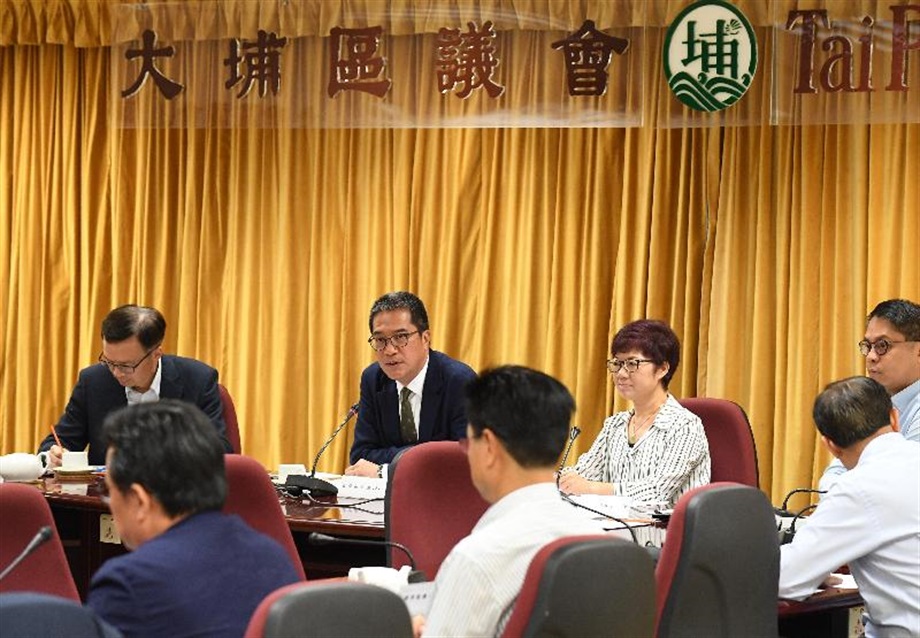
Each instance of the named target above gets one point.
<point>131,369</point>
<point>891,346</point>
<point>411,394</point>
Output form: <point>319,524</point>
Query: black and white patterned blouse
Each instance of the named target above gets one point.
<point>671,458</point>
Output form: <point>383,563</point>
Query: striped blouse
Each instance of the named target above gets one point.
<point>671,458</point>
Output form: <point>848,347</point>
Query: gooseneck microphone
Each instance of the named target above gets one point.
<point>789,533</point>
<point>572,436</point>
<point>568,448</point>
<point>315,538</point>
<point>783,511</point>
<point>43,535</point>
<point>318,487</point>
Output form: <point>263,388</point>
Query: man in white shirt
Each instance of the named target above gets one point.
<point>518,426</point>
<point>870,518</point>
<point>892,349</point>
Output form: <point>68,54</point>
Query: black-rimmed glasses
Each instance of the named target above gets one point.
<point>399,340</point>
<point>125,368</point>
<point>631,365</point>
<point>881,347</point>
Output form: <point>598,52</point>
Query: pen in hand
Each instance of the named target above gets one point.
<point>57,439</point>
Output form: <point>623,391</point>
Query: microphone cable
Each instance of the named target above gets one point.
<point>632,532</point>
<point>783,511</point>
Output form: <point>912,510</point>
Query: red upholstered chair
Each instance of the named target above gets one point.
<point>332,610</point>
<point>718,572</point>
<point>229,414</point>
<point>24,511</point>
<point>431,503</point>
<point>251,495</point>
<point>586,586</point>
<point>731,442</point>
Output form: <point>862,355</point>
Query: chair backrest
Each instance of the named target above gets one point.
<point>330,609</point>
<point>251,495</point>
<point>731,442</point>
<point>24,510</point>
<point>586,586</point>
<point>718,572</point>
<point>31,615</point>
<point>229,414</point>
<point>431,503</point>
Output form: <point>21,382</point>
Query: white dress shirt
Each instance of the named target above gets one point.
<point>907,403</point>
<point>152,394</point>
<point>480,579</point>
<point>415,399</point>
<point>870,520</point>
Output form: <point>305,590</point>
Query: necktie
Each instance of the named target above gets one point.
<point>406,420</point>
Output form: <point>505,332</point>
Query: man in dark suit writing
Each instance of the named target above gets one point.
<point>132,369</point>
<point>412,394</point>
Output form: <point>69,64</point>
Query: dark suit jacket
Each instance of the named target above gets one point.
<point>202,577</point>
<point>98,393</point>
<point>443,417</point>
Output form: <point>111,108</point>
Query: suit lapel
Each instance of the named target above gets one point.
<point>389,408</point>
<point>170,380</point>
<point>431,397</point>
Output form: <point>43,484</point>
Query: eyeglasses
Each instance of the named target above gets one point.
<point>125,368</point>
<point>631,365</point>
<point>399,340</point>
<point>881,346</point>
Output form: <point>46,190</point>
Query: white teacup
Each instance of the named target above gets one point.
<point>74,460</point>
<point>20,466</point>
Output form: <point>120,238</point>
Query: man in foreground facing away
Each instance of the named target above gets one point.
<point>518,426</point>
<point>870,518</point>
<point>193,571</point>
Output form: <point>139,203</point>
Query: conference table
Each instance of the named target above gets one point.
<point>83,520</point>
<point>84,524</point>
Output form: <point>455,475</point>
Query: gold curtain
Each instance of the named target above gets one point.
<point>264,247</point>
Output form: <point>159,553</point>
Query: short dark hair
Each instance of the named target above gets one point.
<point>654,339</point>
<point>401,300</point>
<point>172,450</point>
<point>903,314</point>
<point>529,411</point>
<point>852,409</point>
<point>143,322</point>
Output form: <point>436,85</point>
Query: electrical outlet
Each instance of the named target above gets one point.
<point>107,531</point>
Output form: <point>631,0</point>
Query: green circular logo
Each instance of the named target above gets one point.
<point>710,55</point>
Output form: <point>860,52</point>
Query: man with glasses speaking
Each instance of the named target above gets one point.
<point>132,369</point>
<point>891,347</point>
<point>411,394</point>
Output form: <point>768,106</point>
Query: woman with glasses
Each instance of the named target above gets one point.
<point>655,451</point>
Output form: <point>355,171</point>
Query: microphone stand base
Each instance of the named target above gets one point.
<point>317,488</point>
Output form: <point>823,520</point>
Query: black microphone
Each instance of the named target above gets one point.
<point>415,576</point>
<point>789,533</point>
<point>318,487</point>
<point>572,436</point>
<point>568,448</point>
<point>43,535</point>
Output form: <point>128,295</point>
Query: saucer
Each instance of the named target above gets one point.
<point>74,471</point>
